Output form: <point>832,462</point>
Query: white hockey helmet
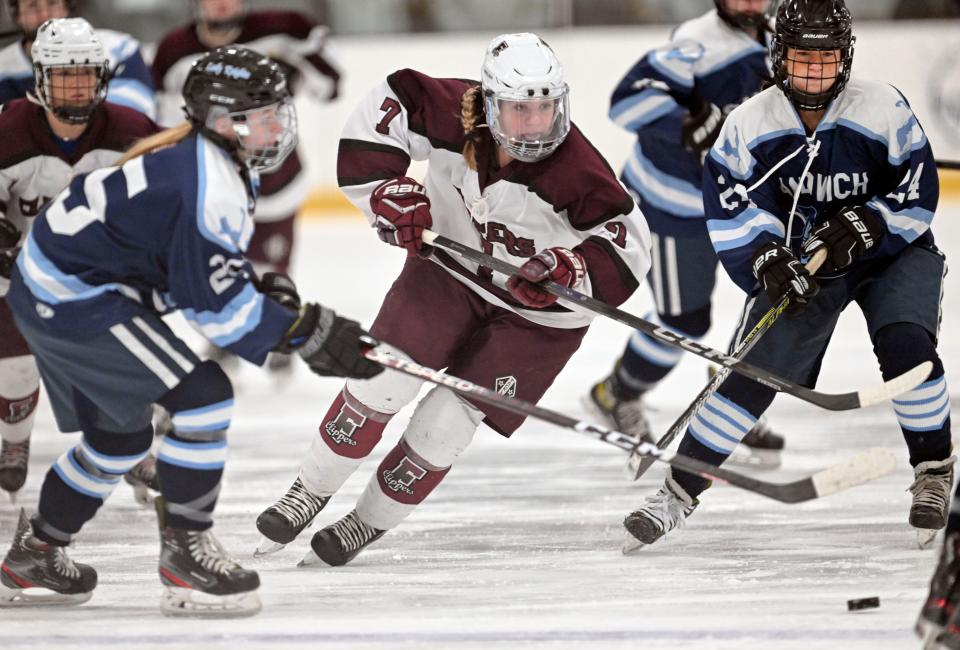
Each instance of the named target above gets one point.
<point>521,74</point>
<point>68,45</point>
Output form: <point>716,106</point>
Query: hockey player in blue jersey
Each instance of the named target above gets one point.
<point>129,83</point>
<point>823,160</point>
<point>674,99</point>
<point>164,230</point>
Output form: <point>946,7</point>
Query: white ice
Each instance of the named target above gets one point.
<point>519,547</point>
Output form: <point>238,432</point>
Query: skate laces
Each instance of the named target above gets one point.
<point>298,505</point>
<point>206,550</point>
<point>352,532</point>
<point>62,562</point>
<point>667,507</point>
<point>932,485</point>
<point>14,454</point>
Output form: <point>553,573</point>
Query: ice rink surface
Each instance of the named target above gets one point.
<point>520,546</point>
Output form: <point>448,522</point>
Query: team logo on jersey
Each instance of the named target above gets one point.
<point>507,386</point>
<point>341,428</point>
<point>402,477</point>
<point>829,187</point>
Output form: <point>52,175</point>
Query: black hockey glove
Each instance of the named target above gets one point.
<point>778,271</point>
<point>9,238</point>
<point>281,288</point>
<point>701,127</point>
<point>328,343</point>
<point>847,235</point>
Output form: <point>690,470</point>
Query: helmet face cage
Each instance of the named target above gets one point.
<point>506,113</point>
<point>70,68</point>
<point>251,125</point>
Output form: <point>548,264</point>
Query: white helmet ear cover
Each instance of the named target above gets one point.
<point>521,68</point>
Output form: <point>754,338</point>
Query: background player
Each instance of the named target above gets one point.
<point>122,245</point>
<point>128,83</point>
<point>508,172</point>
<point>674,99</point>
<point>66,128</point>
<point>866,184</point>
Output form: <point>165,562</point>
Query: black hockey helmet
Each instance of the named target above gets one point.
<point>238,83</point>
<point>813,25</point>
<point>744,21</point>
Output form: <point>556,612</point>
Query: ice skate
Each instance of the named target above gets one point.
<point>199,577</point>
<point>144,480</point>
<point>339,543</point>
<point>283,521</point>
<point>14,457</point>
<point>944,593</point>
<point>625,415</point>
<point>660,513</point>
<point>760,448</point>
<point>35,573</point>
<point>931,498</point>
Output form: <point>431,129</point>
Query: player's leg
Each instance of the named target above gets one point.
<point>19,392</point>
<point>793,350</point>
<point>426,314</point>
<point>682,278</point>
<point>508,353</point>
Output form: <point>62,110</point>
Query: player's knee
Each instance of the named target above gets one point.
<point>104,454</point>
<point>388,392</point>
<point>442,426</point>
<point>901,346</point>
<point>202,402</point>
<point>747,394</point>
<point>692,324</point>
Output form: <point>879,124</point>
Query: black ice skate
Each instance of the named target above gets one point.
<point>941,603</point>
<point>625,415</point>
<point>761,448</point>
<point>35,573</point>
<point>14,457</point>
<point>660,513</point>
<point>144,480</point>
<point>284,520</point>
<point>931,498</point>
<point>199,578</point>
<point>339,543</point>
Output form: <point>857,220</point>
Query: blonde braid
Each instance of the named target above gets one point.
<point>471,108</point>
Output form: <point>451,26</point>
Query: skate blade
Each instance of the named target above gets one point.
<point>925,537</point>
<point>267,547</point>
<point>756,458</point>
<point>928,632</point>
<point>181,602</point>
<point>311,559</point>
<point>631,545</point>
<point>39,597</point>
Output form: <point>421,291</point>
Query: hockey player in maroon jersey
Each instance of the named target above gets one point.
<point>508,172</point>
<point>65,129</point>
<point>298,45</point>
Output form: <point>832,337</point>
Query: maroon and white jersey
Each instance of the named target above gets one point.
<point>571,199</point>
<point>33,168</point>
<point>291,39</point>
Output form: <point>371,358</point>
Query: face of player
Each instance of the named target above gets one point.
<point>33,13</point>
<point>218,11</point>
<point>72,86</point>
<point>812,71</point>
<point>530,120</point>
<point>747,7</point>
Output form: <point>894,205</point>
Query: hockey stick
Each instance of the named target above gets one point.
<point>863,467</point>
<point>637,464</point>
<point>576,300</point>
<point>948,164</point>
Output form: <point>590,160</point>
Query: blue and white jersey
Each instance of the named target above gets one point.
<point>166,231</point>
<point>130,86</point>
<point>870,151</point>
<point>705,57</point>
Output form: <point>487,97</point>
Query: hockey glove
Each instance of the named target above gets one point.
<point>560,265</point>
<point>701,127</point>
<point>328,343</point>
<point>281,288</point>
<point>847,235</point>
<point>778,272</point>
<point>403,211</point>
<point>9,237</point>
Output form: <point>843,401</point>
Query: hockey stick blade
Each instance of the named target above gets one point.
<point>576,300</point>
<point>860,469</point>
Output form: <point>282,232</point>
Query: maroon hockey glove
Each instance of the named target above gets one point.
<point>561,265</point>
<point>403,211</point>
<point>847,235</point>
<point>328,343</point>
<point>779,271</point>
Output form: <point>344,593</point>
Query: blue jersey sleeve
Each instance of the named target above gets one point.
<point>131,84</point>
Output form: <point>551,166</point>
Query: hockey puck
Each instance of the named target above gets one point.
<point>863,603</point>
